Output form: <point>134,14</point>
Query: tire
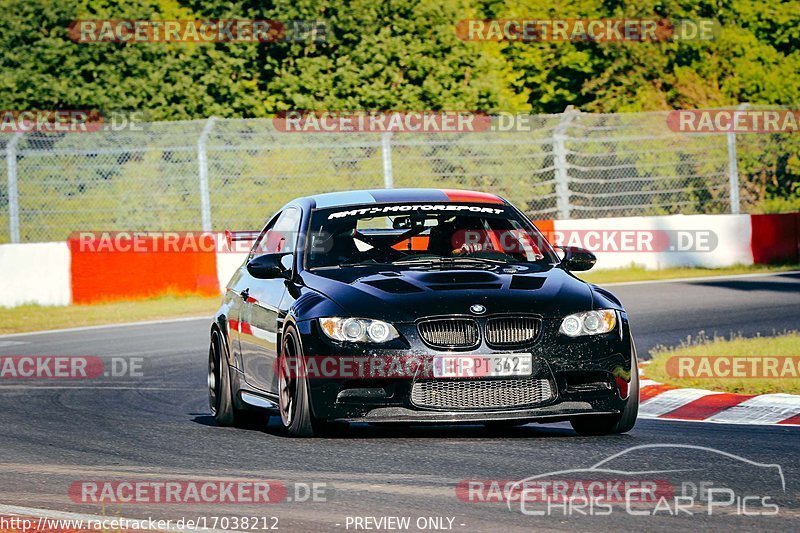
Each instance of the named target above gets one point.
<point>594,425</point>
<point>220,395</point>
<point>293,392</point>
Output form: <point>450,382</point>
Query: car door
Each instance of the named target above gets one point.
<point>261,314</point>
<point>233,301</point>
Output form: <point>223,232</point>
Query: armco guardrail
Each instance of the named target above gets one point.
<point>233,173</point>
<point>60,273</point>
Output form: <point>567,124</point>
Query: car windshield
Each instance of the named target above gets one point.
<point>423,234</point>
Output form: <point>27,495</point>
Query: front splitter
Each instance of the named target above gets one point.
<point>402,414</point>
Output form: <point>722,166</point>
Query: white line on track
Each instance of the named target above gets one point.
<point>33,513</point>
<point>94,387</point>
<point>3,344</point>
<point>106,326</point>
<point>697,278</point>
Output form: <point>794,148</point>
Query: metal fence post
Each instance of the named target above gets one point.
<point>733,170</point>
<point>386,156</point>
<point>560,163</point>
<point>202,162</point>
<point>13,190</point>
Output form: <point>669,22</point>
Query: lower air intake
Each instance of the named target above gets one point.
<point>481,394</point>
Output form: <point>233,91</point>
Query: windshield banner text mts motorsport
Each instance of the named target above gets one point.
<point>394,209</point>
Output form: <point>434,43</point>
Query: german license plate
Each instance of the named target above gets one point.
<point>480,366</point>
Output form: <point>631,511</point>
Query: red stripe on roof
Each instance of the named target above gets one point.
<point>455,195</point>
<point>793,421</point>
<point>707,406</point>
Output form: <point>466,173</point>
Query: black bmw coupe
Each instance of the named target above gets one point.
<point>417,306</point>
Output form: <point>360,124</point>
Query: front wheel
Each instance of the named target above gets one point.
<point>293,393</point>
<point>220,395</point>
<point>591,425</point>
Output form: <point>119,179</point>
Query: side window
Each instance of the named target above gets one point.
<point>280,235</point>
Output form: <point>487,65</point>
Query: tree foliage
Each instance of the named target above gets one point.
<point>398,54</point>
<point>401,55</point>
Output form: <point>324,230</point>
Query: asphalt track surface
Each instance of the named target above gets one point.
<point>157,427</point>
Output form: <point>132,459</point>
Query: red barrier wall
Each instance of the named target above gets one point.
<point>101,274</point>
<point>775,238</point>
<point>547,227</point>
<point>98,274</point>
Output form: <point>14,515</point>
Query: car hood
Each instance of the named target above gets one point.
<point>406,295</point>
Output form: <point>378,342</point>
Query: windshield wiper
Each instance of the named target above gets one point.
<point>421,261</point>
<point>449,261</point>
<point>350,265</point>
<point>415,260</point>
<point>479,260</point>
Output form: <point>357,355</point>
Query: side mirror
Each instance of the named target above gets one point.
<point>268,266</point>
<point>577,259</point>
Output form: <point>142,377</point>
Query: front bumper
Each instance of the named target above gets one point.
<point>586,375</point>
<point>551,413</point>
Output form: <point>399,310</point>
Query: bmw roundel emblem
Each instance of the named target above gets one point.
<point>478,309</point>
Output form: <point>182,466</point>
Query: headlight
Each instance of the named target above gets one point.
<point>589,323</point>
<point>358,329</point>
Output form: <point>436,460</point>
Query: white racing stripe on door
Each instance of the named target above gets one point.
<point>264,335</point>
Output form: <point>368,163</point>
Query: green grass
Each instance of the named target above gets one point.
<point>790,204</point>
<point>635,273</point>
<point>787,344</point>
<point>37,317</point>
